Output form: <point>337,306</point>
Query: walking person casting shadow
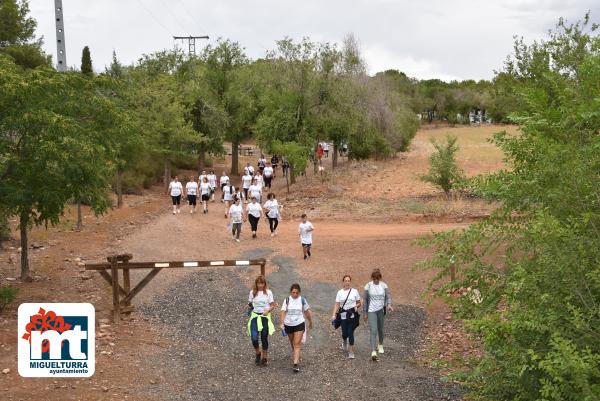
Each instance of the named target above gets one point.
<point>294,312</point>
<point>377,302</point>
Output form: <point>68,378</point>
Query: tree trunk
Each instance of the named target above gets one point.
<point>315,164</point>
<point>235,144</point>
<point>287,181</point>
<point>292,175</point>
<point>79,222</point>
<point>201,159</point>
<point>334,161</point>
<point>24,246</point>
<point>167,174</point>
<point>119,188</point>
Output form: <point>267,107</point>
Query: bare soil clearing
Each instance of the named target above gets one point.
<point>366,215</point>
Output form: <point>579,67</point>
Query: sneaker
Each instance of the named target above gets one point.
<point>253,234</point>
<point>275,232</point>
<point>296,368</point>
<point>351,355</point>
<point>309,253</point>
<point>233,238</point>
<point>191,211</point>
<point>174,212</point>
<point>374,356</point>
<point>264,362</point>
<point>178,210</point>
<point>380,349</point>
<point>237,240</point>
<point>257,360</point>
<point>272,235</point>
<point>344,346</point>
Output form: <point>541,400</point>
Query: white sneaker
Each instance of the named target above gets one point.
<point>237,240</point>
<point>174,212</point>
<point>272,235</point>
<point>178,210</point>
<point>344,346</point>
<point>191,212</point>
<point>374,356</point>
<point>380,349</point>
<point>351,355</point>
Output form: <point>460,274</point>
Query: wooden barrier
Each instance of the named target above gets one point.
<point>122,296</point>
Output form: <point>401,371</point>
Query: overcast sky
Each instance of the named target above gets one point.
<point>458,39</point>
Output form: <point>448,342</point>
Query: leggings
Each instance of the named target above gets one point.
<point>236,229</point>
<point>376,327</point>
<point>264,334</point>
<point>348,330</point>
<point>268,181</point>
<point>273,223</point>
<point>253,222</point>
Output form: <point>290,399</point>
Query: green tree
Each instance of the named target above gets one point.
<point>86,61</point>
<point>17,35</point>
<point>53,144</point>
<point>534,263</point>
<point>443,169</point>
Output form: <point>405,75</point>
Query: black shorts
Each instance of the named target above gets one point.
<point>306,245</point>
<point>192,200</point>
<point>293,329</point>
<point>176,200</point>
<point>205,197</point>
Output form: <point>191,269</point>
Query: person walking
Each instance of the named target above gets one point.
<point>274,163</point>
<point>347,302</point>
<point>240,194</point>
<point>255,190</point>
<point>202,176</point>
<point>326,149</point>
<point>236,217</point>
<point>212,180</point>
<point>223,180</point>
<point>259,179</point>
<point>272,211</point>
<point>228,195</point>
<point>205,192</point>
<point>377,302</point>
<point>246,182</point>
<point>175,189</point>
<point>260,324</point>
<point>268,173</point>
<point>262,162</point>
<point>253,213</point>
<point>295,311</point>
<point>305,230</point>
<point>191,191</point>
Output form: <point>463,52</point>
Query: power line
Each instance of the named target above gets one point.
<point>154,17</point>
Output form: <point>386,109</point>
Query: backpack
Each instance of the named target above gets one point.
<point>287,299</point>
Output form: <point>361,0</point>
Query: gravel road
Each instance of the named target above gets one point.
<point>211,358</point>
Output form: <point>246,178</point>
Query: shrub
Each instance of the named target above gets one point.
<point>7,295</point>
<point>443,170</point>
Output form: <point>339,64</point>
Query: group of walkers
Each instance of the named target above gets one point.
<point>295,312</point>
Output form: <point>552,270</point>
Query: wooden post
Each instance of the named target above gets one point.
<point>115,288</point>
<point>126,280</point>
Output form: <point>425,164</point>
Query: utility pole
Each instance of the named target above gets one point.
<point>61,52</point>
<point>191,42</point>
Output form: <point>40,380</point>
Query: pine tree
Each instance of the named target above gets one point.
<point>86,62</point>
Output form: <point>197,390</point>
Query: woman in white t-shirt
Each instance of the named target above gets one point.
<point>212,180</point>
<point>191,190</point>
<point>255,190</point>
<point>377,302</point>
<point>260,305</point>
<point>175,189</point>
<point>236,216</point>
<point>294,312</point>
<point>347,302</point>
<point>246,182</point>
<point>228,195</point>
<point>305,230</point>
<point>259,179</point>
<point>272,211</point>
<point>222,182</point>
<point>205,191</point>
<point>202,176</point>
<point>253,213</point>
<point>268,173</point>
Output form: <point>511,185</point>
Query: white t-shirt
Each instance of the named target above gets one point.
<point>352,299</point>
<point>261,301</point>
<point>236,212</point>
<point>268,171</point>
<point>246,181</point>
<point>251,170</point>
<point>256,191</point>
<point>229,192</point>
<point>212,180</point>
<point>176,188</point>
<point>191,188</point>
<point>259,180</point>
<point>295,312</point>
<point>240,195</point>
<point>325,146</point>
<point>305,235</point>
<point>223,180</point>
<point>254,209</point>
<point>273,207</point>
<point>202,177</point>
<point>205,188</point>
<point>376,295</point>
